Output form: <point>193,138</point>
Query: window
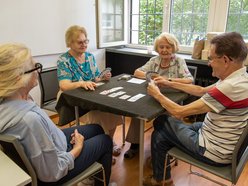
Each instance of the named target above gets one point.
<point>186,19</point>
<point>238,17</point>
<point>111,22</point>
<point>146,21</point>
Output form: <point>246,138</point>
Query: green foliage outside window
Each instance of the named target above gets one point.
<point>151,20</point>
<point>188,20</point>
<point>237,19</point>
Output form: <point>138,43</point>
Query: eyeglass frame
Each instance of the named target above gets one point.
<point>37,67</point>
<point>218,57</point>
<point>212,58</point>
<point>85,42</point>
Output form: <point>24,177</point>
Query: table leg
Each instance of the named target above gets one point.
<point>77,115</point>
<point>141,152</point>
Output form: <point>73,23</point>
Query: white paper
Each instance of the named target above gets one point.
<point>136,81</point>
<point>124,97</point>
<point>136,97</point>
<point>115,94</point>
<point>105,92</point>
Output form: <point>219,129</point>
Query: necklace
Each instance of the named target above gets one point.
<point>164,66</point>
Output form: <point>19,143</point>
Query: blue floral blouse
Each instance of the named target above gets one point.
<point>70,69</point>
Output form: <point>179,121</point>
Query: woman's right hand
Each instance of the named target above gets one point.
<point>77,140</point>
<point>88,85</point>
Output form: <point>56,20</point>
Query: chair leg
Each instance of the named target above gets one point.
<point>77,115</point>
<point>123,130</point>
<point>206,177</point>
<point>103,175</point>
<point>176,162</point>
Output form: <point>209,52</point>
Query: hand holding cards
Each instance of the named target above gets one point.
<point>104,72</point>
<point>150,75</point>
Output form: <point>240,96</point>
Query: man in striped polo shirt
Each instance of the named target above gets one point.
<point>225,104</point>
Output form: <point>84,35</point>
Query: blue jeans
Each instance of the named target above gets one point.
<point>97,147</point>
<point>169,132</point>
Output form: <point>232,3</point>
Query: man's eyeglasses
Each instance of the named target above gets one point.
<point>212,58</point>
<point>37,66</point>
<point>86,41</point>
<point>217,57</point>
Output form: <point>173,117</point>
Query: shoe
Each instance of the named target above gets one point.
<point>112,184</point>
<point>132,151</point>
<point>116,150</point>
<point>150,181</point>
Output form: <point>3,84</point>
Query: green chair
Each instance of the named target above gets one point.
<point>13,148</point>
<point>230,172</point>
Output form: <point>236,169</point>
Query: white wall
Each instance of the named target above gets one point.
<point>41,25</point>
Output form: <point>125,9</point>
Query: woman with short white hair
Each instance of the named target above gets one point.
<point>166,64</point>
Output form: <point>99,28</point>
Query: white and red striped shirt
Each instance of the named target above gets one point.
<point>222,128</point>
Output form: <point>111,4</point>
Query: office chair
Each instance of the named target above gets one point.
<point>49,87</point>
<point>13,148</point>
<point>191,98</point>
<point>193,71</point>
<point>230,172</point>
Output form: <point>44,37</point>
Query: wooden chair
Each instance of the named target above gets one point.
<point>230,172</point>
<point>13,148</point>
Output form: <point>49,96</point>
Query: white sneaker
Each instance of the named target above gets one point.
<point>112,184</point>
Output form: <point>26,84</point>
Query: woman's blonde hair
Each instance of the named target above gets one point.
<point>15,59</point>
<point>172,40</point>
<point>72,33</point>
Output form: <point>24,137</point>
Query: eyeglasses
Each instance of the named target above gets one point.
<point>217,57</point>
<point>37,66</point>
<point>212,58</point>
<point>86,41</point>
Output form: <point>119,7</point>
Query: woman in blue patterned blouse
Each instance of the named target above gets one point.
<point>78,68</point>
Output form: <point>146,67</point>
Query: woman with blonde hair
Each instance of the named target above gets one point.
<point>78,68</point>
<point>56,155</point>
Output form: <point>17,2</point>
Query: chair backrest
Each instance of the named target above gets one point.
<point>14,150</point>
<point>240,155</point>
<point>49,86</point>
<point>193,71</point>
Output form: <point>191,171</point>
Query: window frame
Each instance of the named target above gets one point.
<point>99,21</point>
<point>217,21</point>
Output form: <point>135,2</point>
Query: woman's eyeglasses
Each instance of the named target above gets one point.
<point>37,67</point>
<point>84,42</point>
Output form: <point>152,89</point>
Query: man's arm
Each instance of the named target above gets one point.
<point>188,88</point>
<point>178,111</point>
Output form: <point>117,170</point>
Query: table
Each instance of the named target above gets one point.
<point>12,174</point>
<point>145,109</point>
